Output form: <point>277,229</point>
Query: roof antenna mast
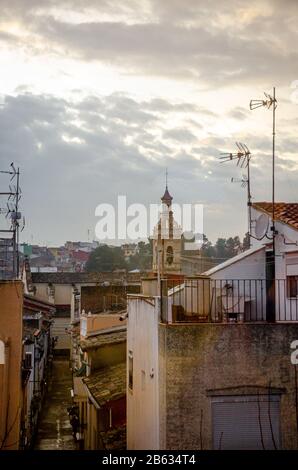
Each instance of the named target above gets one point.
<point>270,102</point>
<point>242,156</point>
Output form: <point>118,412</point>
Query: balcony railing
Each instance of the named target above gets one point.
<point>227,300</point>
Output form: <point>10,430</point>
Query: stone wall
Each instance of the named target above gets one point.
<point>196,358</point>
<point>99,298</point>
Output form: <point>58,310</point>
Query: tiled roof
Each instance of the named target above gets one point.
<point>167,198</point>
<point>107,384</point>
<point>80,255</point>
<point>67,277</point>
<point>103,339</point>
<point>83,277</point>
<point>286,212</point>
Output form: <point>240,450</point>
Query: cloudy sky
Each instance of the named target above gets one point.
<point>98,97</point>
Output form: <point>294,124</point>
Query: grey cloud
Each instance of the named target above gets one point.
<point>62,182</point>
<point>61,179</point>
<point>170,50</point>
<point>181,135</point>
<point>288,145</point>
<point>165,45</point>
<point>238,113</point>
<point>161,105</point>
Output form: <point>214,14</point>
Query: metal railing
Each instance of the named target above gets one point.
<point>227,300</point>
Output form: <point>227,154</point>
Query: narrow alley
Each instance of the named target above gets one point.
<point>55,431</point>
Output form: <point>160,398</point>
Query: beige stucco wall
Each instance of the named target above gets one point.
<point>11,308</point>
<point>91,324</point>
<point>106,356</point>
<point>59,328</point>
<point>62,293</point>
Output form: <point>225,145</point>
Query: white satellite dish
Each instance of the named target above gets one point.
<point>261,228</point>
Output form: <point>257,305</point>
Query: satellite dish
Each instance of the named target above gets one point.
<point>261,228</point>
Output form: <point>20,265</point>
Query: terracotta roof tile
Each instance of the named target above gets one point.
<point>84,277</point>
<point>107,384</point>
<point>286,212</point>
<point>103,339</point>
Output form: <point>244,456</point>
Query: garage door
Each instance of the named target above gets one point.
<point>246,422</point>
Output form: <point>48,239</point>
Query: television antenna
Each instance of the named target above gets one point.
<point>270,102</point>
<point>242,157</point>
<point>11,212</point>
<point>242,180</point>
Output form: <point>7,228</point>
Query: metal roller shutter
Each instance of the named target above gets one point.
<point>242,422</point>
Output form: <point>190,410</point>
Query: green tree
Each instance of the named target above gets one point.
<point>106,258</point>
<point>220,248</point>
<point>143,259</point>
<point>246,242</point>
<point>208,250</point>
<point>233,246</point>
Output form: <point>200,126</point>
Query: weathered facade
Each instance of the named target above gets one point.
<point>25,355</point>
<point>73,292</point>
<point>106,408</point>
<point>209,385</point>
<point>99,385</point>
<point>11,329</point>
<point>202,361</point>
<point>37,357</point>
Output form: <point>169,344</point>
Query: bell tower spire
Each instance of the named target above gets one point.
<point>167,198</point>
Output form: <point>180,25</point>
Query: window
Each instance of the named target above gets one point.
<point>130,370</point>
<point>292,286</point>
<point>170,255</point>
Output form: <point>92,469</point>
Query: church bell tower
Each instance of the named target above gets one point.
<point>167,240</point>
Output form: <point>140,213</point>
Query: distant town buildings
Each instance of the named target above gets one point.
<point>72,257</point>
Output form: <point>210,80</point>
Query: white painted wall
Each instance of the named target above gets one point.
<point>286,263</point>
<point>250,267</point>
<point>58,329</point>
<point>143,400</point>
<point>286,244</point>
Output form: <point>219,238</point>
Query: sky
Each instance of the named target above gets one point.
<point>98,98</point>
